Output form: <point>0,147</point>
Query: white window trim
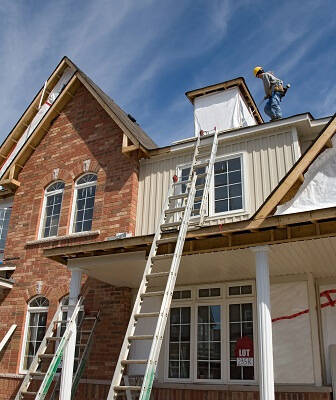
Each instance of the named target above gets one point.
<point>40,233</point>
<point>180,304</point>
<point>73,207</point>
<point>211,203</point>
<point>224,301</point>
<point>210,302</point>
<point>29,310</point>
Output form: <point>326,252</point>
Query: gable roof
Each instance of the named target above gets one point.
<point>290,183</point>
<point>139,139</point>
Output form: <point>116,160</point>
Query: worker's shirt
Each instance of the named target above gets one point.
<point>270,81</point>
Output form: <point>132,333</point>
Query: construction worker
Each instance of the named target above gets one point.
<point>274,92</point>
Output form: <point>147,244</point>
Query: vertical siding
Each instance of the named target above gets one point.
<point>266,160</point>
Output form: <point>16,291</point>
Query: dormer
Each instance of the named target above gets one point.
<point>226,106</point>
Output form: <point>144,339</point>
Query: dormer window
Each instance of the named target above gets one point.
<point>226,192</point>
<point>53,198</point>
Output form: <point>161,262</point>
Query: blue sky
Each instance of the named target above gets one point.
<point>145,54</point>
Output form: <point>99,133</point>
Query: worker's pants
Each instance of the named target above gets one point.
<point>272,107</point>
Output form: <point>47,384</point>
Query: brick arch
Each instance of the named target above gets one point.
<point>79,170</point>
<point>31,292</point>
<point>63,175</point>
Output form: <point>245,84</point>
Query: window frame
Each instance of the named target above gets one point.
<point>244,300</point>
<point>224,300</point>
<point>43,213</point>
<point>74,202</point>
<point>5,207</point>
<point>210,212</point>
<point>22,370</point>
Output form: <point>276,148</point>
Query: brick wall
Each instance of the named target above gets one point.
<point>83,131</point>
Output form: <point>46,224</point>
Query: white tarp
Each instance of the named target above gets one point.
<point>319,187</point>
<point>40,114</point>
<point>224,110</point>
<point>292,346</point>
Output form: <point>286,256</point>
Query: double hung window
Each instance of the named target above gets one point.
<point>226,194</point>
<point>85,192</point>
<point>35,328</point>
<point>52,209</point>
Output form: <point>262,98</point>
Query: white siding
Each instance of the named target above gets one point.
<point>266,161</point>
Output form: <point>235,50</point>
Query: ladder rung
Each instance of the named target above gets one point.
<point>87,318</point>
<point>200,186</point>
<point>167,240</point>
<point>182,183</point>
<point>140,337</point>
<point>81,345</point>
<point>162,256</point>
<point>147,315</point>
<point>202,175</point>
<point>157,275</point>
<point>54,338</point>
<point>84,331</point>
<point>201,165</point>
<point>37,373</point>
<point>171,224</point>
<point>152,294</point>
<point>174,210</point>
<point>124,388</point>
<point>125,362</point>
<point>178,196</point>
<point>24,392</point>
<point>46,355</point>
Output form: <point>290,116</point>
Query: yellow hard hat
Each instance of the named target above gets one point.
<point>256,70</point>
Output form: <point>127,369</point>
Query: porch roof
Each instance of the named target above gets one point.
<point>301,243</point>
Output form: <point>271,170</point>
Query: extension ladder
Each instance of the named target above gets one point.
<point>179,207</point>
<point>49,337</point>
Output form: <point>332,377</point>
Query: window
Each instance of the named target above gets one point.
<point>179,342</point>
<point>210,335</point>
<point>226,188</point>
<point>52,209</point>
<point>209,342</point>
<point>85,191</point>
<point>241,342</point>
<point>228,185</point>
<point>35,328</point>
<point>5,214</point>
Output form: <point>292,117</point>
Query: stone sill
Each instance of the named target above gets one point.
<point>244,388</point>
<point>65,237</point>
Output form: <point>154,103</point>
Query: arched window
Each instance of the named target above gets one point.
<point>52,209</point>
<point>85,191</point>
<point>35,328</point>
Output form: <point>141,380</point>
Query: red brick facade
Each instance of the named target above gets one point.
<point>83,131</point>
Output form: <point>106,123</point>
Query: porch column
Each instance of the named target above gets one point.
<point>266,368</point>
<point>69,353</point>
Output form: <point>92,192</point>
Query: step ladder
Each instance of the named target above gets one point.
<point>34,375</point>
<point>178,209</point>
<point>85,333</point>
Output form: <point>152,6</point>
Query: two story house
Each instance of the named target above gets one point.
<point>253,310</point>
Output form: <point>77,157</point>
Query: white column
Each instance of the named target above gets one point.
<point>266,367</point>
<point>69,353</point>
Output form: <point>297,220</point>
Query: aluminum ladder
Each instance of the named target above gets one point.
<point>56,358</point>
<point>177,212</point>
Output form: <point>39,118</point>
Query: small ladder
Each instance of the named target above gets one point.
<point>33,374</point>
<point>177,211</point>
